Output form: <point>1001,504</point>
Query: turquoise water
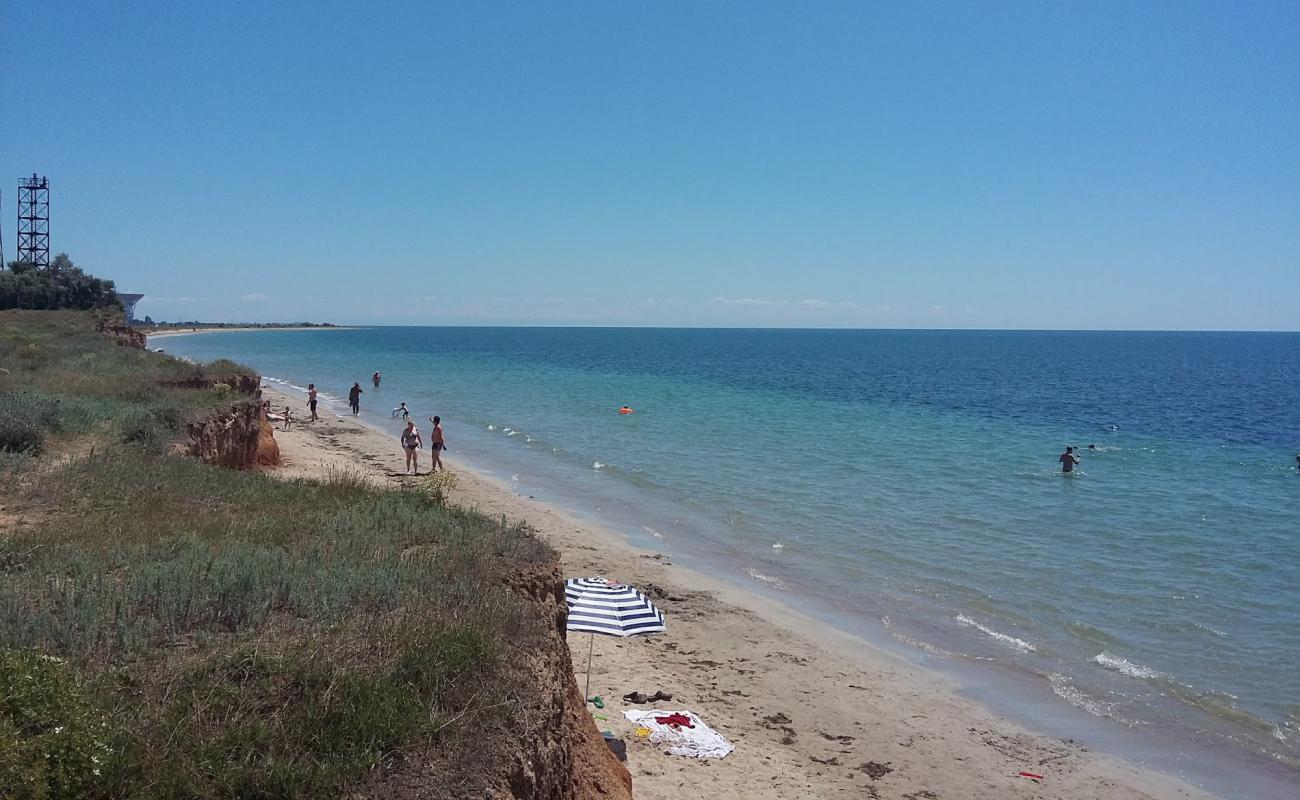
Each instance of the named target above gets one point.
<point>905,485</point>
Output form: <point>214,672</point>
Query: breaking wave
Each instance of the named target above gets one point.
<point>1010,641</point>
<point>1125,667</point>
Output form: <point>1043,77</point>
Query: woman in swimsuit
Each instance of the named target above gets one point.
<point>411,444</point>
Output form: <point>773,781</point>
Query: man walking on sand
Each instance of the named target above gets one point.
<point>411,443</point>
<point>1068,460</point>
<point>311,400</point>
<point>436,445</point>
<point>354,398</point>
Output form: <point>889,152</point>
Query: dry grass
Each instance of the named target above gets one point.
<point>246,637</point>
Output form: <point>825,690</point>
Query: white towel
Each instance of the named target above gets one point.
<point>698,742</point>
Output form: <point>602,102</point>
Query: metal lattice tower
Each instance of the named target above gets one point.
<point>34,221</point>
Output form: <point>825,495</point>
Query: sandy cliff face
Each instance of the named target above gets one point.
<point>124,335</point>
<point>237,439</point>
<point>563,756</point>
<point>268,450</point>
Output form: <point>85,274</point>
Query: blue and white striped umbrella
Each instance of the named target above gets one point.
<point>601,606</point>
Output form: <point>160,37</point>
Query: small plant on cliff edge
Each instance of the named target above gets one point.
<point>439,485</point>
<point>52,739</point>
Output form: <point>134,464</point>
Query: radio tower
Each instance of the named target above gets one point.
<point>34,221</point>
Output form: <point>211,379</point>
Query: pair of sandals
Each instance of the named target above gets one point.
<point>641,697</point>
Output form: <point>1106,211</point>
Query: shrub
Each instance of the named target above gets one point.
<point>52,739</point>
<point>143,429</point>
<point>25,418</point>
<point>439,485</point>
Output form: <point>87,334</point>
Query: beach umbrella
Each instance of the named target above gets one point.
<point>597,605</point>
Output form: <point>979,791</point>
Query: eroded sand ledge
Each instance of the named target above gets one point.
<point>813,712</point>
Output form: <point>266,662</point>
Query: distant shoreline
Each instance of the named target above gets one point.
<point>184,331</point>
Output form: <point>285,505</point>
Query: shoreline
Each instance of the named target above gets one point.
<point>164,334</point>
<point>810,707</point>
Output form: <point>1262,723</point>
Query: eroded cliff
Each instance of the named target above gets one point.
<point>563,755</point>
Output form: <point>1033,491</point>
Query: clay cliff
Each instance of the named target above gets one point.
<point>124,335</point>
<point>238,438</point>
<point>563,756</point>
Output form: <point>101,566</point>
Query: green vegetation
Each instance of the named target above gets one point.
<point>62,285</point>
<point>220,633</point>
<point>64,378</point>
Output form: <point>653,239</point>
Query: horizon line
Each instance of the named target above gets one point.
<point>616,326</point>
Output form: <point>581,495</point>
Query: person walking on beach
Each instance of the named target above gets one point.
<point>411,443</point>
<point>354,398</point>
<point>402,411</point>
<point>311,401</point>
<point>375,378</point>
<point>287,418</point>
<point>1068,460</point>
<point>436,445</point>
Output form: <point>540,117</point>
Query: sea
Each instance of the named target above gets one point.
<point>905,487</point>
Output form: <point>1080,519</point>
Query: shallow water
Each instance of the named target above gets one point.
<point>906,483</point>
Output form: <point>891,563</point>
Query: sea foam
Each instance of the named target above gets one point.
<point>1125,667</point>
<point>1010,641</point>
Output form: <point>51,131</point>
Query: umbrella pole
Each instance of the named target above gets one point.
<point>586,693</point>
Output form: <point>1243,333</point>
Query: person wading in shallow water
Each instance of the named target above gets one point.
<point>375,378</point>
<point>354,398</point>
<point>311,400</point>
<point>411,443</point>
<point>1068,460</point>
<point>436,445</point>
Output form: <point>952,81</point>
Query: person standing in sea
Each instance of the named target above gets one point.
<point>311,401</point>
<point>375,378</point>
<point>411,444</point>
<point>1068,460</point>
<point>436,445</point>
<point>354,397</point>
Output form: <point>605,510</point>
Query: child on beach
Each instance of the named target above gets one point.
<point>287,418</point>
<point>402,411</point>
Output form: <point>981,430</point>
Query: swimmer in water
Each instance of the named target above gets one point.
<point>1068,460</point>
<point>1092,447</point>
<point>375,378</point>
<point>626,410</point>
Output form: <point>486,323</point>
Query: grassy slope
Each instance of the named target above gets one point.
<point>244,636</point>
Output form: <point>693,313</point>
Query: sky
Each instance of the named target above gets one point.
<point>1092,165</point>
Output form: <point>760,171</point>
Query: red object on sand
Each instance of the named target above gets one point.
<point>1031,775</point>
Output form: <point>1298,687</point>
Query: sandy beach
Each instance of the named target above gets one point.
<point>163,334</point>
<point>813,712</point>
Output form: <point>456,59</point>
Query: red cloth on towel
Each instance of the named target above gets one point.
<point>675,719</point>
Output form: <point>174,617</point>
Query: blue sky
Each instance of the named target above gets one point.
<point>1017,165</point>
